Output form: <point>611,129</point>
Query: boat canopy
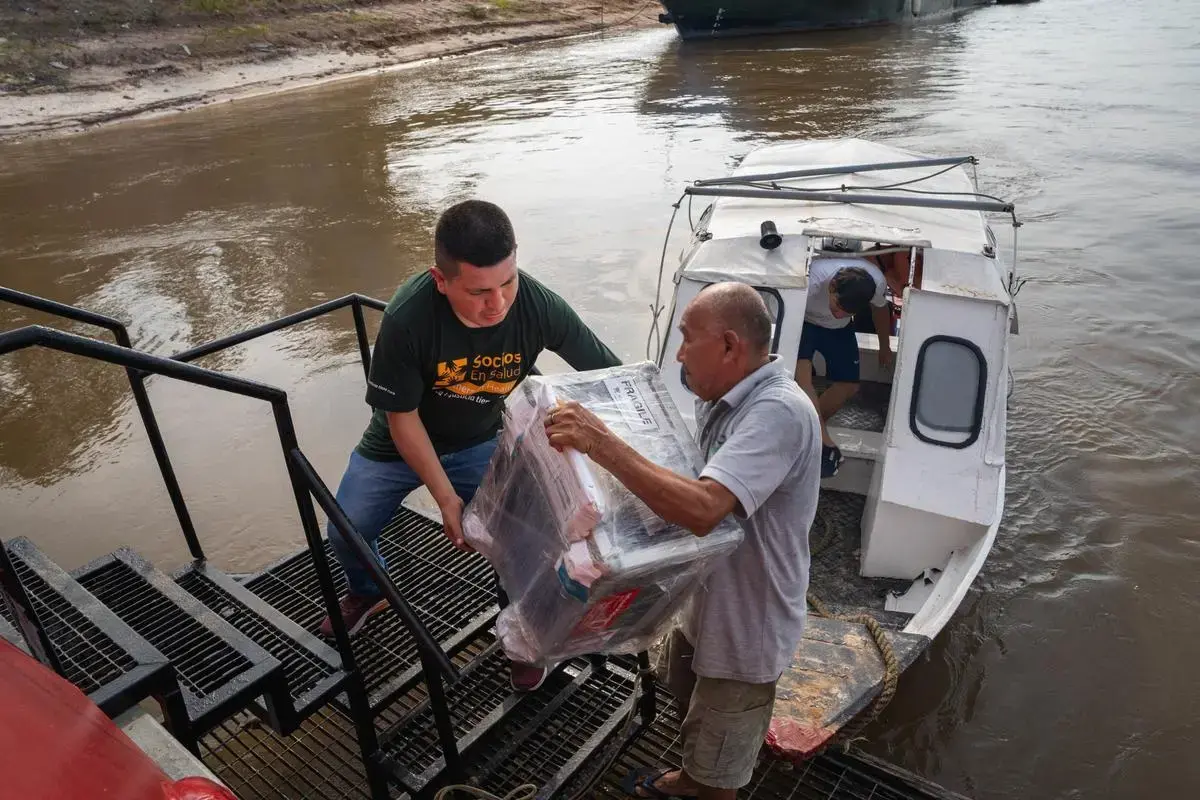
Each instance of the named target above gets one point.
<point>883,177</point>
<point>742,259</point>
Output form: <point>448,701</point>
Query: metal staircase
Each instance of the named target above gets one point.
<point>423,691</point>
<point>220,670</point>
<point>451,589</point>
<point>419,699</point>
<point>312,670</point>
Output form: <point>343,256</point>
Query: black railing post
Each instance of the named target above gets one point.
<point>441,718</point>
<point>16,599</point>
<point>434,663</point>
<point>137,384</point>
<point>360,330</point>
<point>140,397</point>
<point>356,691</point>
<point>648,702</point>
<point>427,646</point>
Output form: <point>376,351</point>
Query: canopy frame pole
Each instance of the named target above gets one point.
<point>817,171</point>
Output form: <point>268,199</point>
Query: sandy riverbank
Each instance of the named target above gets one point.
<point>73,64</point>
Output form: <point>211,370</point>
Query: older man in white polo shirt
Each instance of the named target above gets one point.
<point>761,440</point>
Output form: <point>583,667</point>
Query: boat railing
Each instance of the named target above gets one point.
<point>851,196</point>
<point>306,485</point>
<point>815,172</point>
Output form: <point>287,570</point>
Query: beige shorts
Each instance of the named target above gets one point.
<point>724,721</point>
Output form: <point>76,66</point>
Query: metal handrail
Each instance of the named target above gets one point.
<point>141,398</point>
<point>433,658</point>
<point>355,301</point>
<point>306,485</point>
<point>304,480</point>
<point>328,503</point>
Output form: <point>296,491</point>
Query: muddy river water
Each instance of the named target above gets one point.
<point>1070,671</point>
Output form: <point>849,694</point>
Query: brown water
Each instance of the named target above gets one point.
<point>1069,671</point>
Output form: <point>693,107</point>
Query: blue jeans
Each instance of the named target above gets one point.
<point>371,492</point>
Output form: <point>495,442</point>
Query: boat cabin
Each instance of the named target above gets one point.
<point>924,439</point>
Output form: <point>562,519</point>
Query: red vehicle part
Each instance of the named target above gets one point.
<point>54,742</point>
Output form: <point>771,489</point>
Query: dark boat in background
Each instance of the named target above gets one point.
<point>698,19</point>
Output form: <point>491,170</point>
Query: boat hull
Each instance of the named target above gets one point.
<point>706,19</point>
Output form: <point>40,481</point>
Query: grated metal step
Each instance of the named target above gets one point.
<point>220,671</point>
<point>312,669</point>
<point>553,739</point>
<point>452,592</point>
<point>478,702</point>
<point>866,411</point>
<point>101,655</point>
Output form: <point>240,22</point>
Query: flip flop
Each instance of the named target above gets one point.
<point>644,778</point>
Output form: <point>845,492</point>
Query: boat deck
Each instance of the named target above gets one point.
<point>835,541</point>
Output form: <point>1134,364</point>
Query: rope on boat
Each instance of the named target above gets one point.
<point>891,666</point>
<point>655,334</point>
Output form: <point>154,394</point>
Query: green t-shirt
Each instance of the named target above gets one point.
<point>457,377</point>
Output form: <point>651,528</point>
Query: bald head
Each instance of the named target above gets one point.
<point>738,308</point>
<point>726,336</point>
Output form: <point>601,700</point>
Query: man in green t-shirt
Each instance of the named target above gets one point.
<point>454,342</point>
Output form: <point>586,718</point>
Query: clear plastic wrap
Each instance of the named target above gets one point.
<point>588,568</point>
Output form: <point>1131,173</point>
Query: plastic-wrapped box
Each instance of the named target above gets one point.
<point>588,568</point>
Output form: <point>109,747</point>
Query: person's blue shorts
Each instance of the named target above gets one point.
<point>839,347</point>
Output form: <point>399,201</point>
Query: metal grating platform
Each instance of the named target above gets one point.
<point>567,728</point>
<point>866,411</point>
<point>312,669</point>
<point>478,696</point>
<point>483,707</point>
<point>219,670</point>
<point>831,776</point>
<point>319,761</point>
<point>89,658</point>
<point>452,592</point>
<point>205,663</point>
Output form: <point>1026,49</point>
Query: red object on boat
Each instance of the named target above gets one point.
<point>54,742</point>
<point>198,788</point>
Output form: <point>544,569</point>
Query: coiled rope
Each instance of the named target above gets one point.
<point>891,666</point>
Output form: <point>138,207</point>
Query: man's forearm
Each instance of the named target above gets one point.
<point>883,326</point>
<point>678,500</point>
<point>413,443</point>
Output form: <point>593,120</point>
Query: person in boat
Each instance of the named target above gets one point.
<point>839,288</point>
<point>760,437</point>
<point>895,267</point>
<point>455,340</point>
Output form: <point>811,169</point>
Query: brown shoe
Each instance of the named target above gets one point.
<point>526,677</point>
<point>356,610</point>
